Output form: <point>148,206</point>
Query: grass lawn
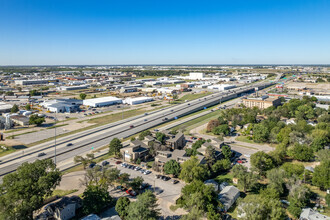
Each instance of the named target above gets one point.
<point>228,177</point>
<point>73,169</point>
<point>61,193</point>
<point>194,96</point>
<point>244,139</point>
<point>116,116</point>
<point>5,152</point>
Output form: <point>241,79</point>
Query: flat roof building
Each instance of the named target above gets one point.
<point>103,101</point>
<point>262,102</point>
<point>139,100</point>
<point>35,82</point>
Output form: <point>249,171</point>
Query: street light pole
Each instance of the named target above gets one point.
<point>55,136</point>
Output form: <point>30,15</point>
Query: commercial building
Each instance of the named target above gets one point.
<point>136,101</point>
<point>196,76</point>
<point>62,105</point>
<point>103,101</point>
<point>128,89</point>
<point>262,102</point>
<point>21,120</point>
<point>136,150</point>
<point>35,82</point>
<point>4,107</point>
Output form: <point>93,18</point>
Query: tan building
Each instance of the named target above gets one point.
<point>21,120</point>
<point>136,150</point>
<point>261,103</point>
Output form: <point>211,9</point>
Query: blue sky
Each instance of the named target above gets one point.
<point>55,32</point>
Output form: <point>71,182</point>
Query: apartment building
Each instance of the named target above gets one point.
<point>262,103</point>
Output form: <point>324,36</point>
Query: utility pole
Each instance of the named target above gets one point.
<point>55,137</point>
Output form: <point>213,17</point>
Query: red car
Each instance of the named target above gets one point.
<point>239,161</point>
<point>131,192</point>
<point>118,162</point>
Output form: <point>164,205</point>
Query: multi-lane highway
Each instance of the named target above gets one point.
<point>101,136</point>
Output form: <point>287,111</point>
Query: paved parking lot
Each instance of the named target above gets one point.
<point>170,191</point>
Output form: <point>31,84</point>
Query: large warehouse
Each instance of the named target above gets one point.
<point>139,100</point>
<point>103,101</point>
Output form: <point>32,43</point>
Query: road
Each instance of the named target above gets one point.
<point>96,138</point>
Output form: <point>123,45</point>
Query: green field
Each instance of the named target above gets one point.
<point>189,97</point>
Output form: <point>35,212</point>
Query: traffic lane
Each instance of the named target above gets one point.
<point>170,191</point>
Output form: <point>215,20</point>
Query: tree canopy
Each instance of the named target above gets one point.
<point>115,146</point>
<point>24,191</point>
<point>172,167</point>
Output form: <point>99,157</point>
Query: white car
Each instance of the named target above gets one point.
<point>147,172</point>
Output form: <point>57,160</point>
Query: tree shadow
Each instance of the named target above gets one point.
<point>19,147</point>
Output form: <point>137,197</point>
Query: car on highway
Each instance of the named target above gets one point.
<point>104,163</point>
<point>69,144</point>
<point>145,119</point>
<point>188,103</point>
<point>41,154</point>
<point>132,126</point>
<point>145,113</point>
<point>165,119</point>
<point>156,130</point>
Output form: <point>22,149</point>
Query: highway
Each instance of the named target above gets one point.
<point>93,139</point>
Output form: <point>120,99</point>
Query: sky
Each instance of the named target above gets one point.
<point>96,32</point>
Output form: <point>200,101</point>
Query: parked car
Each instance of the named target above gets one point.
<point>91,165</point>
<point>144,185</point>
<point>156,130</point>
<point>166,178</point>
<point>145,119</point>
<point>118,162</point>
<point>137,168</point>
<point>131,192</point>
<point>41,154</point>
<point>104,163</point>
<point>158,176</point>
<point>142,170</point>
<point>175,181</point>
<point>147,172</point>
<point>69,144</point>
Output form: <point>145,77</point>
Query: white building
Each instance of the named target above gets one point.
<point>196,76</point>
<point>221,87</point>
<point>67,88</point>
<point>103,101</point>
<point>139,100</point>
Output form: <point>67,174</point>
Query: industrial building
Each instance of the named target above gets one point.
<point>62,105</point>
<point>136,101</point>
<point>35,82</point>
<point>103,101</point>
<point>196,76</point>
<point>128,89</point>
<point>4,107</point>
<point>262,102</point>
<point>221,87</point>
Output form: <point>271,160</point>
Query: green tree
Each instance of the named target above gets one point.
<point>321,176</point>
<point>136,183</point>
<point>198,195</point>
<point>172,167</point>
<point>301,152</point>
<point>210,156</point>
<point>323,155</point>
<point>82,96</point>
<point>212,124</point>
<point>221,129</point>
<point>14,109</point>
<point>95,199</point>
<point>115,146</point>
<point>246,180</point>
<point>221,166</point>
<point>320,139</point>
<point>192,170</point>
<point>259,208</point>
<point>34,92</point>
<point>293,169</point>
<point>160,137</point>
<point>24,191</point>
<point>143,134</point>
<point>226,151</point>
<point>84,160</point>
<point>36,120</point>
<point>122,207</point>
<point>261,162</point>
<point>260,133</point>
<point>124,179</point>
<point>144,208</point>
<point>276,179</point>
<point>28,107</point>
<point>298,197</point>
